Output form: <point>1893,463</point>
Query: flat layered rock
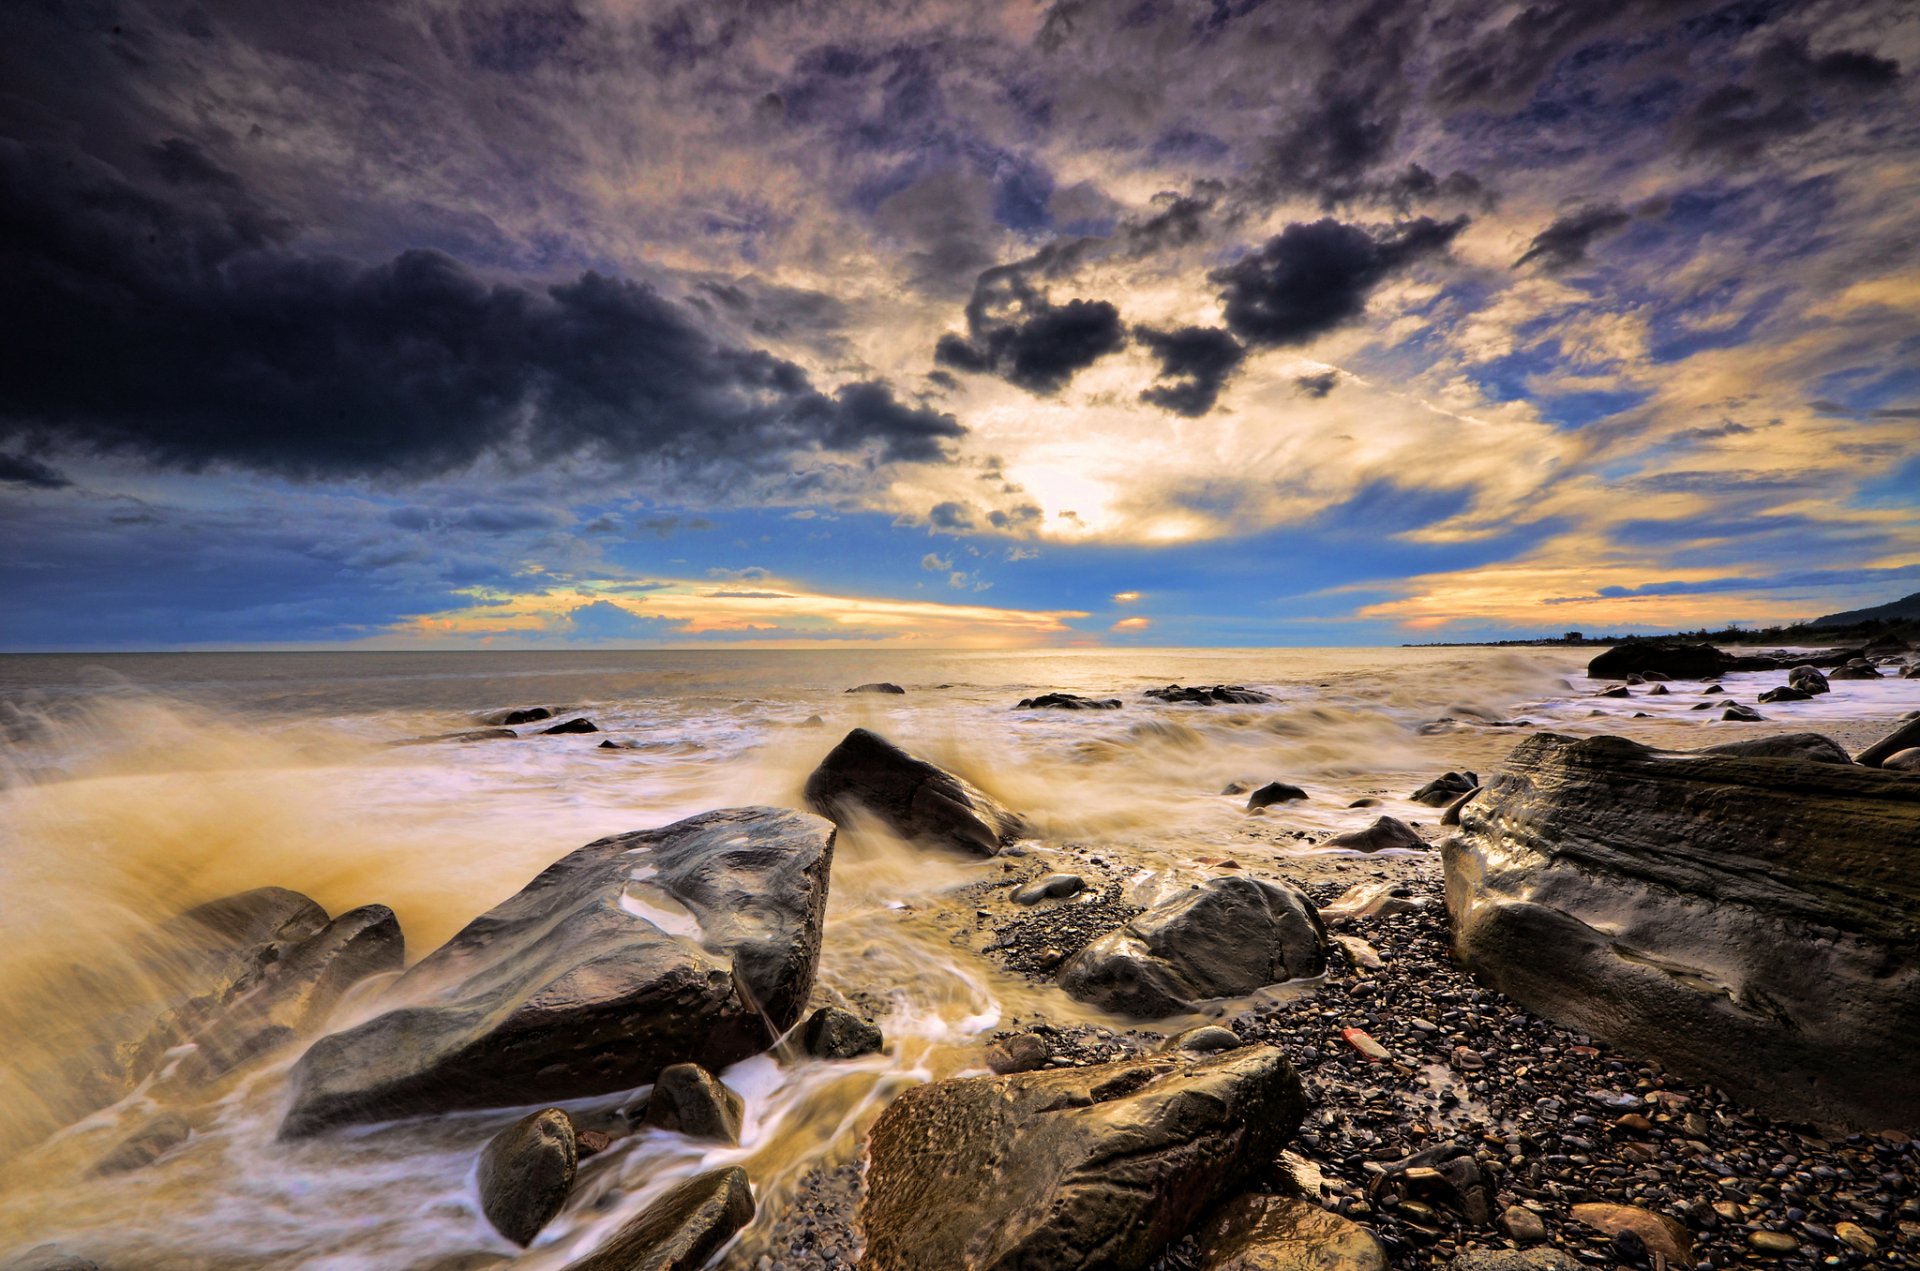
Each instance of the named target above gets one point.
<point>1070,1169</point>
<point>921,802</point>
<point>1067,702</point>
<point>694,943</point>
<point>1224,938</point>
<point>1747,920</point>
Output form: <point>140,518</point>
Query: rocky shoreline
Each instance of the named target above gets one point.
<point>1327,1064</point>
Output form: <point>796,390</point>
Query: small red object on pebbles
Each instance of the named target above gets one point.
<point>1360,1041</point>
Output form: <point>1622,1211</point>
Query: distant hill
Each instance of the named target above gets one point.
<point>1893,611</point>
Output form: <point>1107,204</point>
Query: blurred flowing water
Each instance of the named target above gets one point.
<point>134,786</point>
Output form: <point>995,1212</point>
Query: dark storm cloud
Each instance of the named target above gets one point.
<point>1313,276</point>
<point>1500,65</point>
<point>1563,244</point>
<point>1318,385</point>
<point>1016,332</point>
<point>28,471</point>
<point>1197,361</point>
<point>203,336</point>
<point>1787,91</point>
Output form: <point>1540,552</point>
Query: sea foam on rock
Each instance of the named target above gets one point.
<point>694,943</point>
<point>919,801</point>
<point>1747,920</point>
<point>1070,1169</point>
<point>1223,938</point>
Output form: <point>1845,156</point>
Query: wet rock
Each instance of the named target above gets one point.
<point>1049,887</point>
<point>526,1172</point>
<point>1443,1177</point>
<point>1525,1226</point>
<point>692,943</point>
<point>1711,689</point>
<point>1022,1052</point>
<point>1858,669</point>
<point>1901,738</point>
<point>1659,1234</point>
<point>1211,695</point>
<point>1785,693</point>
<point>1284,1233</point>
<point>683,1229</point>
<point>49,1258</point>
<point>1444,789</point>
<point>1808,680</point>
<point>470,734</point>
<point>1387,832</point>
<point>1070,1169</point>
<point>1618,690</point>
<point>1774,1242</point>
<point>1208,1039</point>
<point>1067,702</point>
<point>572,726</point>
<point>879,686</point>
<point>146,1145</point>
<point>1452,814</point>
<point>1516,1260</point>
<point>1808,747</point>
<point>1359,952</point>
<point>1617,889</point>
<point>1373,900</point>
<point>1741,714</point>
<point>519,715</point>
<point>1223,938</point>
<point>917,800</point>
<point>832,1033</point>
<point>689,1100</point>
<point>1273,792</point>
<point>1673,660</point>
<point>1907,760</point>
<point>1659,690</point>
<point>1855,1237</point>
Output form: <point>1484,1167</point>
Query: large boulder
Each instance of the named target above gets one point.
<point>867,774</point>
<point>1673,660</point>
<point>1811,747</point>
<point>693,943</point>
<point>1070,1169</point>
<point>1746,920</point>
<point>1223,938</point>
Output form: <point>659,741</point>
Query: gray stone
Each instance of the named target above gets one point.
<point>1808,747</point>
<point>877,687</point>
<point>1070,1169</point>
<point>1273,792</point>
<point>1384,834</point>
<point>1050,887</point>
<point>683,1229</point>
<point>1445,789</point>
<point>832,1033</point>
<point>1524,1225</point>
<point>694,943</point>
<point>1808,680</point>
<point>689,1100</point>
<point>922,803</point>
<point>1905,736</point>
<point>1907,760</point>
<point>1222,938</point>
<point>1747,921</point>
<point>526,1172</point>
<point>1068,702</point>
<point>1675,661</point>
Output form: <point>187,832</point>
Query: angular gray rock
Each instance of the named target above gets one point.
<point>1224,938</point>
<point>1445,788</point>
<point>682,1230</point>
<point>526,1172</point>
<point>922,803</point>
<point>689,1100</point>
<point>1070,1169</point>
<point>831,1033</point>
<point>1386,832</point>
<point>694,943</point>
<point>1748,921</point>
<point>1049,887</point>
<point>1273,792</point>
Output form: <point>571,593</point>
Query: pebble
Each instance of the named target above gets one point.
<point>1772,1241</point>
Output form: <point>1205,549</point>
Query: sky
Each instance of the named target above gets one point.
<point>557,323</point>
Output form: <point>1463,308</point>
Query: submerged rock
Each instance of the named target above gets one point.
<point>689,1100</point>
<point>519,715</point>
<point>1285,1233</point>
<point>832,1033</point>
<point>1741,714</point>
<point>694,943</point>
<point>146,1145</point>
<point>1673,660</point>
<point>1744,920</point>
<point>915,799</point>
<point>1808,680</point>
<point>1785,693</point>
<point>1068,702</point>
<point>1273,792</point>
<point>682,1230</point>
<point>1223,938</point>
<point>879,686</point>
<point>580,725</point>
<point>526,1172</point>
<point>1386,832</point>
<point>1211,695</point>
<point>1858,669</point>
<point>1069,1169</point>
